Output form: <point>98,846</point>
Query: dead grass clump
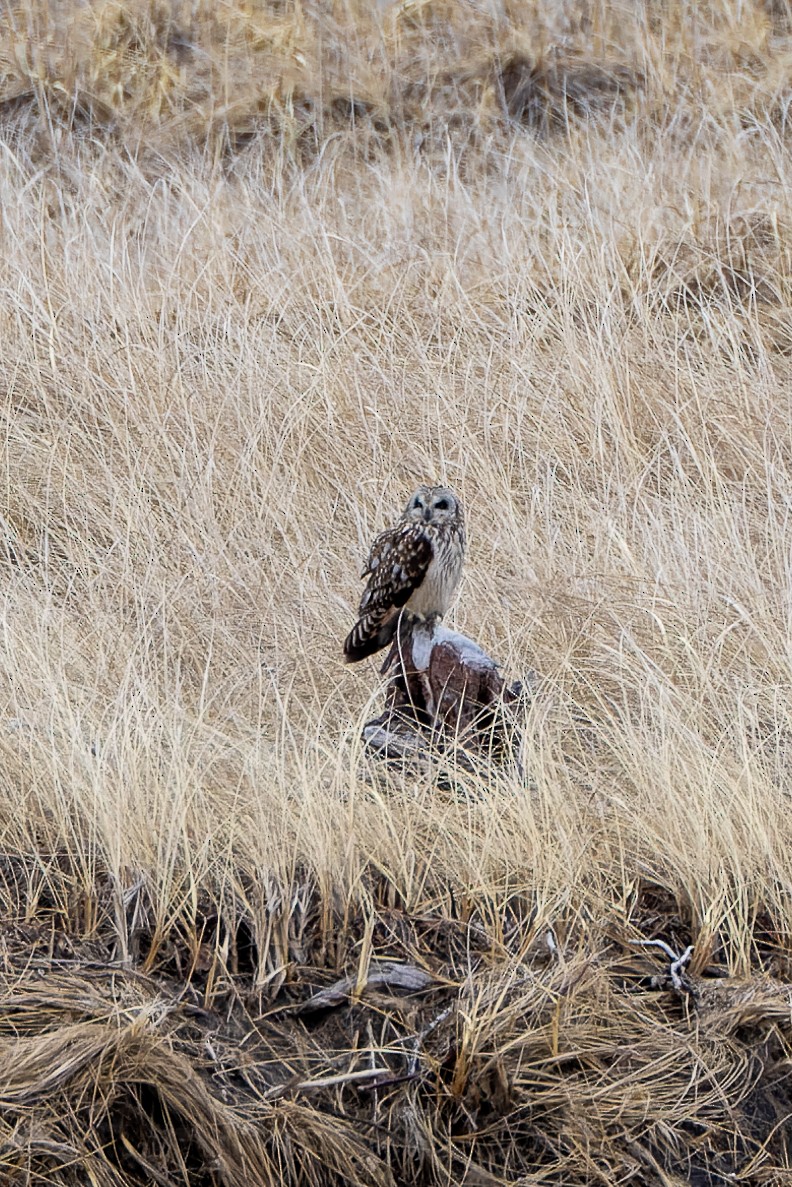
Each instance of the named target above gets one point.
<point>545,95</point>
<point>743,262</point>
<point>183,73</point>
<point>298,74</point>
<point>489,1045</point>
<point>96,66</point>
<point>128,1080</point>
<point>726,277</point>
<point>162,74</point>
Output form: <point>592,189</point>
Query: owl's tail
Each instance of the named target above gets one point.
<point>369,634</point>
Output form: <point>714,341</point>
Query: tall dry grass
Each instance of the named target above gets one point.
<point>263,270</point>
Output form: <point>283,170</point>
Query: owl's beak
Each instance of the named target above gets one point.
<point>427,514</point>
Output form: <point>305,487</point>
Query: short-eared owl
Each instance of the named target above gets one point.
<point>415,565</point>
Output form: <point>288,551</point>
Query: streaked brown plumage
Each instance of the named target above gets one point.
<point>415,565</point>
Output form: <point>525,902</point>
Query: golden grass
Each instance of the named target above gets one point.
<point>263,270</point>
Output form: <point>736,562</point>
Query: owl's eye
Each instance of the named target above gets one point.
<point>417,504</point>
<point>442,504</point>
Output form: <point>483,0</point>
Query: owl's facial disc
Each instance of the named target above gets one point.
<point>431,504</point>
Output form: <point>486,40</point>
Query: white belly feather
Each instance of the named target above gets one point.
<point>436,592</point>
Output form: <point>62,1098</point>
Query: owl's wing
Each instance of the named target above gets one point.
<point>396,566</point>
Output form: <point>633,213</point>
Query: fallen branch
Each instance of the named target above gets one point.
<point>401,978</point>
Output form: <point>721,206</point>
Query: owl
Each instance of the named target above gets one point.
<point>414,566</point>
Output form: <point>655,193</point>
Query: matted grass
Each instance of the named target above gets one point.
<point>264,269</point>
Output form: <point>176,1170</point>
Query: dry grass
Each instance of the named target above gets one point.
<point>263,269</point>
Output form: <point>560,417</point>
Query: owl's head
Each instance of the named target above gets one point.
<point>433,504</point>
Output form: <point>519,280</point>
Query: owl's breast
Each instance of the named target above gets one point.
<point>436,592</point>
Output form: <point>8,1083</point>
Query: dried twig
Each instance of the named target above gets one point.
<point>678,962</point>
<point>417,1040</point>
<point>366,1073</point>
